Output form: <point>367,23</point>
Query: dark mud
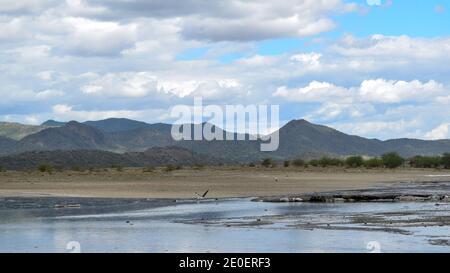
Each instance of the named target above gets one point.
<point>399,192</point>
<point>64,206</point>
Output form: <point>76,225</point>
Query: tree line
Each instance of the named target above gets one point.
<point>389,160</point>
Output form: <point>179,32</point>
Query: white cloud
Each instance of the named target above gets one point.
<point>314,92</point>
<point>47,94</point>
<point>375,91</point>
<point>32,53</point>
<point>384,91</point>
<point>91,37</point>
<point>12,95</point>
<point>341,110</point>
<point>46,75</point>
<point>220,89</point>
<point>257,60</point>
<point>440,132</point>
<point>236,20</point>
<point>393,47</point>
<point>145,84</point>
<point>82,8</point>
<point>24,6</point>
<point>66,112</point>
<point>311,59</point>
<point>126,84</point>
<point>381,129</point>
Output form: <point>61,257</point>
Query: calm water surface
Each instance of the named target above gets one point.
<point>225,226</point>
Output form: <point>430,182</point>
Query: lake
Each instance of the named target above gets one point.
<point>233,225</point>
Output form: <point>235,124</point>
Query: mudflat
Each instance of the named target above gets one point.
<point>220,181</point>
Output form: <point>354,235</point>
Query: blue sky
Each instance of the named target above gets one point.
<point>367,68</point>
<point>392,18</point>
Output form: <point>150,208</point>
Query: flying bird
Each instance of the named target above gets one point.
<point>201,196</point>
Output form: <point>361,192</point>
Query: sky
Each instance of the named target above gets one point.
<point>375,68</point>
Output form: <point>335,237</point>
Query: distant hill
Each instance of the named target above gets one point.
<point>7,145</point>
<point>116,124</point>
<point>71,136</point>
<point>102,159</point>
<point>18,131</point>
<point>53,123</point>
<point>301,137</point>
<point>142,138</point>
<point>411,147</point>
<point>298,138</point>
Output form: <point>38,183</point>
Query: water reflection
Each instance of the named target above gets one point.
<point>203,228</point>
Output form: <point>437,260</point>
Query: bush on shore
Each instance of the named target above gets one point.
<point>354,161</point>
<point>268,162</point>
<point>299,163</point>
<point>171,168</point>
<point>445,160</point>
<point>392,160</point>
<point>327,161</point>
<point>45,168</point>
<point>373,163</point>
<point>425,161</point>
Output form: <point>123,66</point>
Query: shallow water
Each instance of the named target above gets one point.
<point>236,225</point>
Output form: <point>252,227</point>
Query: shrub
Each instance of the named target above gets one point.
<point>198,167</point>
<point>373,163</point>
<point>287,163</point>
<point>299,163</point>
<point>170,168</point>
<point>59,168</point>
<point>354,161</point>
<point>2,169</point>
<point>148,169</point>
<point>268,162</point>
<point>76,169</point>
<point>252,165</point>
<point>326,161</point>
<point>425,161</point>
<point>445,160</point>
<point>45,168</point>
<point>392,160</point>
<point>314,162</point>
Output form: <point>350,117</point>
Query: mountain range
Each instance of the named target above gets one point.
<point>298,139</point>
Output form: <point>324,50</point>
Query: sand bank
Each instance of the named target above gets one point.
<point>221,181</point>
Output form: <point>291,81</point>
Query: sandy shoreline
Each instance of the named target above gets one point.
<point>222,182</point>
